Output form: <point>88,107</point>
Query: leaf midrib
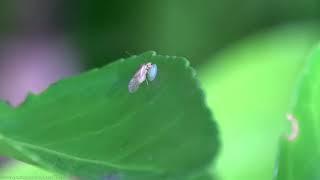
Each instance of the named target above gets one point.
<point>15,143</point>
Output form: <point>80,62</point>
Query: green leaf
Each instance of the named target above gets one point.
<point>203,176</point>
<point>300,158</point>
<point>249,86</point>
<point>91,126</point>
<point>16,170</point>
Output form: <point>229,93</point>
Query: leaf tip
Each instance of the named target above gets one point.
<point>30,95</point>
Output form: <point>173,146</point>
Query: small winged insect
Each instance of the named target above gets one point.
<point>147,70</point>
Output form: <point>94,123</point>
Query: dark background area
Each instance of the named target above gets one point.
<point>102,31</point>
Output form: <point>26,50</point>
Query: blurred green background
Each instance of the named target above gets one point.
<point>247,54</point>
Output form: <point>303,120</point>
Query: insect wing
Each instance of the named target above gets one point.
<point>133,85</point>
<point>141,74</point>
<point>152,72</point>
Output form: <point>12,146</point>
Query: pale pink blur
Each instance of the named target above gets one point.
<point>32,64</point>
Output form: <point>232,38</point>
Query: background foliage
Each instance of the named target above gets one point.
<point>248,55</point>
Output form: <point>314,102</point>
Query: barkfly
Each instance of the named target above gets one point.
<point>146,72</point>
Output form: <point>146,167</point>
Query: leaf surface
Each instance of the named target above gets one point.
<point>300,158</point>
<point>91,126</point>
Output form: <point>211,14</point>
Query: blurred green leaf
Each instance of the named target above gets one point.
<point>300,158</point>
<point>248,86</point>
<point>204,176</point>
<point>91,126</point>
<point>196,30</point>
<point>19,170</point>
